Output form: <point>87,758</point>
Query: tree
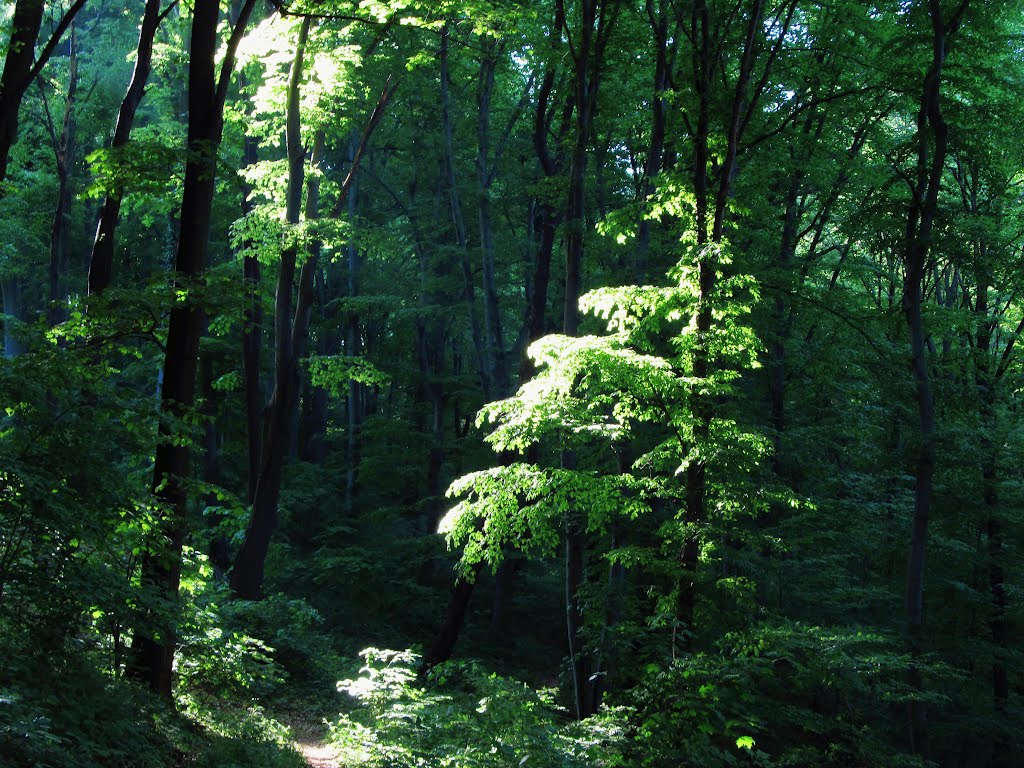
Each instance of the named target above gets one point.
<point>22,65</point>
<point>291,325</point>
<point>153,645</point>
<point>101,262</point>
<point>932,145</point>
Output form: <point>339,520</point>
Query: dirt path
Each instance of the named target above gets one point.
<point>309,736</point>
<point>317,755</point>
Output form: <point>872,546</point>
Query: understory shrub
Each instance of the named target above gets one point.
<point>462,716</point>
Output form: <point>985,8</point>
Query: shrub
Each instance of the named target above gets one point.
<point>461,716</point>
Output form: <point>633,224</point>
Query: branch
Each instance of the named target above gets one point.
<point>50,127</point>
<point>285,11</point>
<point>166,12</point>
<point>51,44</point>
<point>517,112</point>
<point>1006,358</point>
<point>228,65</point>
<point>830,309</point>
<point>791,117</point>
<point>375,117</point>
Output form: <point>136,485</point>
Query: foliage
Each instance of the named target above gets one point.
<point>462,716</point>
<point>784,695</point>
<point>763,375</point>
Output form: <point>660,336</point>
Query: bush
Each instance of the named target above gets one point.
<point>461,716</point>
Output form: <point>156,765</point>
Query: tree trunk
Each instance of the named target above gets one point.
<point>461,239</point>
<point>498,373</point>
<point>664,53</point>
<point>247,576</point>
<point>102,262</point>
<point>355,403</point>
<point>153,643</point>
<point>780,323</point>
<point>444,641</point>
<point>291,326</point>
<point>252,343</point>
<point>986,381</point>
<point>28,18</point>
<point>64,150</point>
<point>932,136</point>
<point>706,69</point>
<point>695,471</point>
<point>585,87</point>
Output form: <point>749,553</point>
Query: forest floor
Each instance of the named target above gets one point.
<point>309,736</point>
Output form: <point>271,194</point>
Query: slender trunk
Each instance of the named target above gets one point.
<point>25,24</point>
<point>291,326</point>
<point>65,149</point>
<point>218,550</point>
<point>311,267</point>
<point>777,351</point>
<point>315,441</point>
<point>252,342</point>
<point>498,374</point>
<point>659,114</point>
<point>695,472</point>
<point>932,136</point>
<point>444,642</point>
<point>11,287</point>
<point>461,239</point>
<point>102,261</point>
<point>986,381</point>
<point>431,340</point>
<point>585,82</point>
<point>247,576</point>
<point>709,211</point>
<point>443,645</point>
<point>605,663</point>
<point>355,403</point>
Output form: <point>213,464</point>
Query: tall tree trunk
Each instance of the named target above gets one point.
<point>458,220</point>
<point>710,211</point>
<point>932,137</point>
<point>780,323</point>
<point>498,374</point>
<point>443,645</point>
<point>355,403</point>
<point>153,643</point>
<point>291,319</point>
<point>665,49</point>
<point>218,549</point>
<point>987,381</point>
<point>586,56</point>
<point>252,341</point>
<point>247,576</point>
<point>700,31</point>
<point>315,433</point>
<point>548,217</point>
<point>101,263</point>
<point>64,150</point>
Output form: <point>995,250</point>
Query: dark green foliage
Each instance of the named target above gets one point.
<point>766,630</point>
<point>789,695</point>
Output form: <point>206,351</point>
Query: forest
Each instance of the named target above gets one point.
<point>480,383</point>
